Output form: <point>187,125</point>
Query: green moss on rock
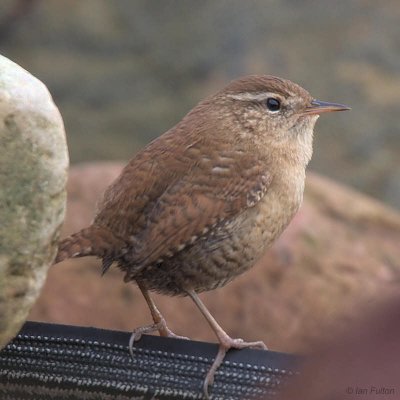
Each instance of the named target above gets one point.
<point>33,172</point>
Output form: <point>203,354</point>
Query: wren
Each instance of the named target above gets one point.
<point>200,204</point>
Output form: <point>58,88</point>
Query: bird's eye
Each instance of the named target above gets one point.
<point>273,104</point>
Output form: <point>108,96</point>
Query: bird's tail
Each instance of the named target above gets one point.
<point>92,241</point>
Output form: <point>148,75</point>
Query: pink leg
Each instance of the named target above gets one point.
<point>225,342</point>
<point>159,325</point>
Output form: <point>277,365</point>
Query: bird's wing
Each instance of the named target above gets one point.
<point>198,201</point>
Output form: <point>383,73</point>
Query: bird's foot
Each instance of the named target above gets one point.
<point>160,326</point>
<point>163,330</point>
<point>226,343</point>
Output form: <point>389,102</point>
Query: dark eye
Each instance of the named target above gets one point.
<point>273,104</point>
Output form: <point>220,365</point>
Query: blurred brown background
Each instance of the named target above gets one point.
<point>124,71</point>
<point>338,257</point>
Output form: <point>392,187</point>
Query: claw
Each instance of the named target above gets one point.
<point>137,334</point>
<point>227,343</point>
<point>161,327</point>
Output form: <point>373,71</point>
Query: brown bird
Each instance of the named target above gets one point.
<point>199,205</point>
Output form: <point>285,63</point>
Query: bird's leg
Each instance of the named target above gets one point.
<point>225,342</point>
<point>159,325</point>
<point>159,321</point>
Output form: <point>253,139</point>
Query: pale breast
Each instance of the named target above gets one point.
<point>258,227</point>
<point>274,212</point>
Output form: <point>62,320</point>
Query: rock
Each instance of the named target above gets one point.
<point>339,251</point>
<point>33,169</point>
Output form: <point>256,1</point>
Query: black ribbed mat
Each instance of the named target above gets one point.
<point>64,362</point>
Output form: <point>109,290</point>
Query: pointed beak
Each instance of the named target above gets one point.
<point>319,107</point>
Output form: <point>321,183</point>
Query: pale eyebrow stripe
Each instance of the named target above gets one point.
<point>251,96</point>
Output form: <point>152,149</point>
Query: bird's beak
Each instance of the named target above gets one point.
<point>318,107</point>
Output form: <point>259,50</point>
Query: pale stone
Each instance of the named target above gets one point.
<point>33,172</point>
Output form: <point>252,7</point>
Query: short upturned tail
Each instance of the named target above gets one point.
<point>91,241</point>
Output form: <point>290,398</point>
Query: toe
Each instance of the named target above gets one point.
<point>229,343</point>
